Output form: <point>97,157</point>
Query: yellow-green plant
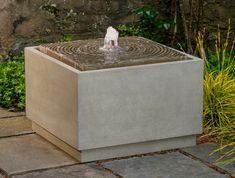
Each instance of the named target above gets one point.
<point>219,98</point>
<point>226,134</point>
<point>219,92</point>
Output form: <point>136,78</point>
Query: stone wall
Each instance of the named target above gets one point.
<point>31,22</point>
<point>216,12</point>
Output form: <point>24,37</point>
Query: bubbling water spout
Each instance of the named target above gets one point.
<point>111,39</point>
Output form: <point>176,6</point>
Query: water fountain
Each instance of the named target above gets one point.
<point>125,97</point>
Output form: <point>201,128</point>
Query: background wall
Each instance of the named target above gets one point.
<point>30,22</point>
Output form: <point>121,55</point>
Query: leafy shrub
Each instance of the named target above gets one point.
<point>152,27</point>
<point>67,38</point>
<point>129,30</point>
<point>149,25</point>
<point>12,83</point>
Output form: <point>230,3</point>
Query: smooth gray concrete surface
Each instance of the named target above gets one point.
<point>140,103</point>
<point>4,113</point>
<point>15,126</point>
<point>171,165</point>
<point>112,107</point>
<point>203,152</point>
<point>76,171</point>
<point>30,152</point>
<point>136,148</point>
<point>51,96</point>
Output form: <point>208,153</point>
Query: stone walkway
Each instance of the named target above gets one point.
<point>23,154</point>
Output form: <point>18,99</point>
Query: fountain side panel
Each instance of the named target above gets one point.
<point>140,103</point>
<point>51,95</point>
<point>116,112</point>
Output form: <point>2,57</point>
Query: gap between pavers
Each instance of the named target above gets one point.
<point>15,126</point>
<point>203,151</point>
<point>30,152</point>
<point>75,171</point>
<point>170,165</point>
<point>6,114</point>
<point>12,124</point>
<point>34,153</point>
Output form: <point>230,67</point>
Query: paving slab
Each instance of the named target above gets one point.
<point>15,126</point>
<point>30,152</point>
<point>203,151</point>
<point>4,113</point>
<point>170,165</point>
<point>76,171</point>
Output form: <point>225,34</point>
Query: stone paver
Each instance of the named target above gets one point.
<point>171,165</point>
<point>24,156</point>
<point>15,126</point>
<point>202,152</point>
<point>76,171</point>
<point>30,152</point>
<point>4,113</point>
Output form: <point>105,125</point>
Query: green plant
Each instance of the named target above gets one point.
<point>149,18</point>
<point>227,136</point>
<point>12,83</point>
<point>125,30</point>
<point>219,93</point>
<point>67,38</point>
<point>181,46</point>
<point>219,98</point>
<point>149,25</point>
<point>214,63</point>
<point>152,27</point>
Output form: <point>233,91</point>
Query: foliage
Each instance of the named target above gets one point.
<point>219,98</point>
<point>215,64</point>
<point>219,93</point>
<point>12,83</point>
<point>67,38</point>
<point>149,25</point>
<point>149,19</point>
<point>227,136</point>
<point>182,46</point>
<point>129,30</point>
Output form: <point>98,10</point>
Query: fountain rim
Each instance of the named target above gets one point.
<point>148,60</point>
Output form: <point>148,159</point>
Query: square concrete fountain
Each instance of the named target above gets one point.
<point>95,104</point>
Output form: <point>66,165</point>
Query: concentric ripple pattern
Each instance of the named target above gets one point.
<point>131,51</point>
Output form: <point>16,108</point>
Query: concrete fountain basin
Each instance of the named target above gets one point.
<point>97,105</point>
